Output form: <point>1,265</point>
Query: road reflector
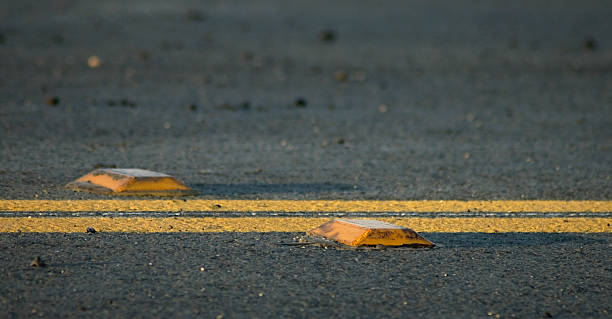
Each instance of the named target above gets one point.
<point>368,232</point>
<point>130,182</point>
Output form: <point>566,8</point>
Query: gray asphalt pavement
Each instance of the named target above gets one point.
<point>255,275</point>
<point>438,100</point>
<point>308,100</point>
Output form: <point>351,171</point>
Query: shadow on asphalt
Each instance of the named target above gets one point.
<point>473,240</point>
<point>249,189</point>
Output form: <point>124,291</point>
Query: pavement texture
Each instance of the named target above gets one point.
<point>268,99</point>
<point>256,275</point>
<point>348,100</point>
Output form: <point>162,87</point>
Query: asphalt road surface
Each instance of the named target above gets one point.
<point>479,100</point>
<point>368,100</point>
<point>255,275</point>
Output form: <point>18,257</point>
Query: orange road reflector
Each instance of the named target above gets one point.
<point>130,182</point>
<point>368,232</point>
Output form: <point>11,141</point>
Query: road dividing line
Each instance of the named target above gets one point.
<point>425,216</point>
<point>296,224</point>
<point>289,206</point>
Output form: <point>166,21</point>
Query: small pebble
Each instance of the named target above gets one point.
<point>38,263</point>
<point>300,102</point>
<point>341,76</point>
<point>93,61</point>
<point>591,44</point>
<point>327,35</point>
<point>91,230</point>
<point>52,100</point>
<point>127,103</point>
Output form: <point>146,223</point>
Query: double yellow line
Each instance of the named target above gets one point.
<point>392,206</point>
<point>566,216</point>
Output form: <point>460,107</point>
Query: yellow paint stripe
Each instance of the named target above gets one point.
<point>303,206</point>
<point>295,224</point>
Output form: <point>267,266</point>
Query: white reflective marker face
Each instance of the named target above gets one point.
<point>136,172</point>
<point>370,223</point>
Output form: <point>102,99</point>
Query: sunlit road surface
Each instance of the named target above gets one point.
<point>485,126</point>
<point>242,259</point>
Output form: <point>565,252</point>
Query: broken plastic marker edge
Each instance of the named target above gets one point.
<point>368,232</point>
<point>130,182</point>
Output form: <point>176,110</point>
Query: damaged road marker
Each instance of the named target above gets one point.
<point>130,182</point>
<point>368,232</point>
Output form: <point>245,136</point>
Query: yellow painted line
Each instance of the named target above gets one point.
<point>286,206</point>
<point>295,224</point>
